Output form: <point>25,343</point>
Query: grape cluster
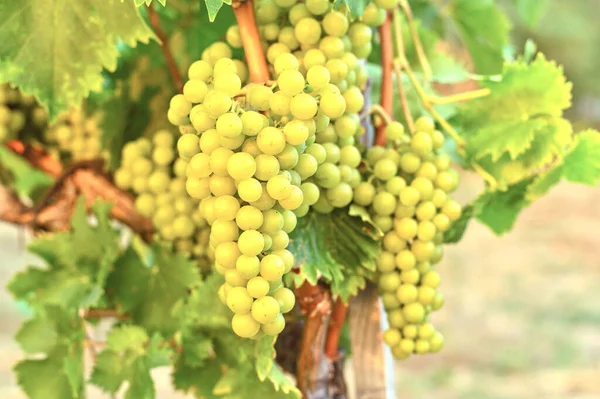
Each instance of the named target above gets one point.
<point>76,135</point>
<point>327,49</point>
<point>19,113</point>
<point>151,170</point>
<point>408,198</point>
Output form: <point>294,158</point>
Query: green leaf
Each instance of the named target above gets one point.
<point>356,7</point>
<point>499,209</point>
<point>201,379</point>
<point>213,7</point>
<point>37,335</point>
<point>265,355</point>
<point>46,378</point>
<point>336,246</point>
<point>484,29</point>
<point>149,294</point>
<point>26,178</point>
<point>127,338</point>
<point>74,38</point>
<point>458,228</point>
<point>531,11</point>
<point>139,3</point>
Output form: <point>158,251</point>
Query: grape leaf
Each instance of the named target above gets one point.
<point>458,228</point>
<point>139,3</point>
<point>356,7</point>
<point>265,355</point>
<point>25,178</point>
<point>581,164</point>
<point>201,379</point>
<point>531,11</point>
<point>484,29</point>
<point>44,44</point>
<point>499,209</point>
<point>149,294</point>
<point>47,378</point>
<point>129,356</point>
<point>213,7</point>
<point>337,247</point>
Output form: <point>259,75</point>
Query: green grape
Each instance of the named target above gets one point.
<point>414,312</point>
<point>425,211</point>
<point>303,106</point>
<point>332,46</point>
<point>249,218</point>
<point>405,260</point>
<point>335,23</point>
<point>272,222</point>
<point>158,182</point>
<point>327,175</point>
<point>350,155</point>
<point>395,185</point>
<point>426,295</point>
<point>247,266</point>
<point>267,166</point>
<point>233,36</point>
<point>317,7</point>
<point>123,179</point>
<point>389,282</point>
<point>270,31</point>
<point>265,310</point>
<point>354,100</point>
<point>265,201</point>
<point>224,231</point>
<point>424,124</point>
<point>226,207</point>
<point>275,327</point>
<point>426,231</point>
<point>337,69</point>
<point>290,82</point>
<point>318,77</point>
<point>226,254</point>
<point>289,221</point>
<point>195,91</point>
<point>386,262</point>
<point>183,227</point>
<point>360,34</point>
<point>145,204</point>
<point>317,151</point>
<point>179,105</point>
<point>296,131</point>
<point>219,159</point>
<point>298,12</point>
<point>308,31</point>
<point>287,37</point>
<point>199,166</point>
<point>438,139</point>
<point>392,337</point>
<point>310,193</point>
<point>198,189</point>
<point>313,57</point>
<point>258,287</point>
<point>251,242</point>
<point>286,62</point>
<point>409,196</point>
<point>268,242</point>
<point>209,141</point>
<point>272,267</point>
<point>393,243</point>
<point>259,97</point>
<point>406,228</point>
<point>275,50</point>
<point>288,158</point>
<point>452,210</point>
<point>307,166</point>
<point>421,143</point>
<point>364,194</point>
<point>406,293</point>
<point>280,103</point>
<point>384,203</point>
<point>267,12</point>
<point>340,195</point>
<point>244,325</point>
<point>241,166</point>
<point>294,200</point>
<point>286,299</point>
<point>332,105</point>
<point>410,163</point>
<point>161,156</point>
<point>250,190</point>
<point>239,300</point>
<point>279,187</point>
<point>436,342</point>
<point>271,141</point>
<point>333,153</point>
<point>141,168</point>
<point>188,145</point>
<point>373,15</point>
<point>385,169</point>
<point>229,125</point>
<point>216,103</point>
<point>200,119</point>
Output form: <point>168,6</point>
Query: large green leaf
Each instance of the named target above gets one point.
<point>56,49</point>
<point>337,247</point>
<point>25,178</point>
<point>484,29</point>
<point>531,11</point>
<point>149,294</point>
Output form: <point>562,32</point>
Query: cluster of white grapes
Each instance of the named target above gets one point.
<point>18,113</point>
<point>77,135</point>
<point>408,198</point>
<point>152,171</point>
<point>321,46</point>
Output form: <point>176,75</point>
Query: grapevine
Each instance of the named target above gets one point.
<point>235,187</point>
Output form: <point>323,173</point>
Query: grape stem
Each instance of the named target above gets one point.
<point>336,322</point>
<point>255,55</point>
<point>427,74</point>
<point>382,113</point>
<point>401,64</point>
<point>166,50</point>
<point>93,313</point>
<point>387,58</point>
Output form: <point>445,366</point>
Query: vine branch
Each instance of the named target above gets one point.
<point>336,322</point>
<point>417,40</point>
<point>255,55</point>
<point>164,45</point>
<point>387,58</point>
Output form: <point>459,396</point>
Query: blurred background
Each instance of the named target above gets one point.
<point>522,313</point>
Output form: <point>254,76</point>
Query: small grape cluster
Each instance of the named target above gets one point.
<point>19,113</point>
<point>76,135</point>
<point>408,198</point>
<point>151,170</point>
<point>321,46</point>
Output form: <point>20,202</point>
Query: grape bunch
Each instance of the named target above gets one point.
<point>151,170</point>
<point>328,50</point>
<point>76,135</point>
<point>19,113</point>
<point>408,198</point>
